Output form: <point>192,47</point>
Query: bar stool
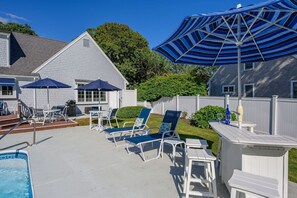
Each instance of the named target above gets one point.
<point>254,185</point>
<point>173,142</point>
<point>200,156</point>
<point>196,143</point>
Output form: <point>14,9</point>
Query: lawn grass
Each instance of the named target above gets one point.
<point>186,130</point>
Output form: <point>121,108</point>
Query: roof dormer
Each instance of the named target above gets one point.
<point>4,49</point>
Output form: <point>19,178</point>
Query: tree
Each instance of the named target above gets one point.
<point>202,74</point>
<point>16,27</point>
<point>127,49</point>
<point>168,86</point>
<point>118,41</point>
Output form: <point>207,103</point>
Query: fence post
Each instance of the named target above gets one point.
<point>197,102</point>
<point>177,102</point>
<point>145,103</point>
<point>274,114</point>
<point>226,101</point>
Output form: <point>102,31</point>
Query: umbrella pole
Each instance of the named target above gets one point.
<point>48,104</point>
<point>99,116</point>
<point>239,107</point>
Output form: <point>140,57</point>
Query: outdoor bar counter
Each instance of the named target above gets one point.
<point>265,155</point>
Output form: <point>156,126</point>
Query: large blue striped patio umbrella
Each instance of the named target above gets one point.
<point>254,33</point>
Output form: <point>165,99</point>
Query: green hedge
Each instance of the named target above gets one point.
<point>129,112</point>
<point>168,86</point>
<point>201,117</point>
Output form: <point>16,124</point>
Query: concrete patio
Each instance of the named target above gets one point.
<point>76,162</point>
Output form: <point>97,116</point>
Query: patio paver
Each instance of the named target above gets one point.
<point>74,162</point>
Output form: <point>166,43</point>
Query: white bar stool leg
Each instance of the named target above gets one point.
<point>213,179</point>
<point>189,179</point>
<point>233,193</point>
<point>209,176</point>
<point>185,174</point>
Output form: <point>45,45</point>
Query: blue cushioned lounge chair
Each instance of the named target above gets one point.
<point>138,126</point>
<point>170,119</point>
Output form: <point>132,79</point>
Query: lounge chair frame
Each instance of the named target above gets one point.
<point>131,131</point>
<point>155,138</point>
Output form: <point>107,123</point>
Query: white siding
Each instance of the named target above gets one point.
<point>79,62</point>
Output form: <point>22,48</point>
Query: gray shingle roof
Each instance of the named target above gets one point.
<point>29,52</point>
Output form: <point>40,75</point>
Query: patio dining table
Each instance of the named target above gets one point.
<point>98,114</point>
<point>265,155</point>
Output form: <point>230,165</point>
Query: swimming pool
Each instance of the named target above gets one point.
<point>15,178</point>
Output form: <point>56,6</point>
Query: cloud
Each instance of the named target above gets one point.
<point>3,20</point>
<point>11,18</point>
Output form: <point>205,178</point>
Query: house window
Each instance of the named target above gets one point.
<point>249,90</point>
<point>294,88</point>
<point>248,66</point>
<point>7,90</point>
<point>228,89</point>
<point>90,96</point>
<point>86,42</point>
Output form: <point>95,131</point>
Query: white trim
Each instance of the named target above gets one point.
<point>8,50</point>
<point>223,86</point>
<point>244,69</point>
<point>291,92</point>
<point>18,76</point>
<point>248,84</point>
<point>72,43</point>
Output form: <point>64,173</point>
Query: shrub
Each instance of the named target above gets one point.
<point>201,117</point>
<point>129,112</point>
<point>168,86</point>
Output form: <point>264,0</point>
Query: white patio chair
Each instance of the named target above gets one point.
<point>62,114</point>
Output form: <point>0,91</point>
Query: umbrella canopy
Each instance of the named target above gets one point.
<point>98,85</point>
<point>254,33</point>
<point>46,83</point>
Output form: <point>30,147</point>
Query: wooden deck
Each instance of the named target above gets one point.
<point>7,122</point>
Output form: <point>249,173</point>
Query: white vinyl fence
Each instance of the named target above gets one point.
<point>128,98</point>
<point>272,115</point>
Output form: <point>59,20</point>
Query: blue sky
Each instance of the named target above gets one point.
<point>63,20</point>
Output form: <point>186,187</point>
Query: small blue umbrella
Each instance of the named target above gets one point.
<point>254,33</point>
<point>46,83</point>
<point>99,85</point>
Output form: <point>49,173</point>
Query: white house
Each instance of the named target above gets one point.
<point>25,58</point>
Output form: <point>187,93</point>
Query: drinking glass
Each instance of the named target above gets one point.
<point>220,116</point>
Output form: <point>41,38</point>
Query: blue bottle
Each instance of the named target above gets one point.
<point>228,115</point>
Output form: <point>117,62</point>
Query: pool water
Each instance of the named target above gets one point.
<point>15,181</point>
